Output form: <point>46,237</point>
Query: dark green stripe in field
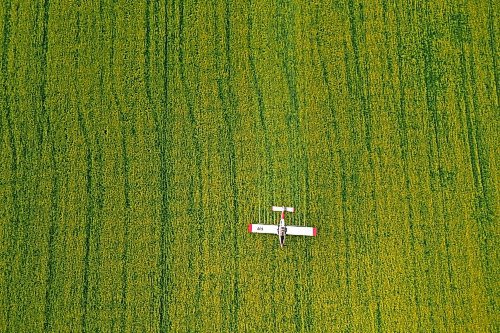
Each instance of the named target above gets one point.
<point>7,131</point>
<point>162,129</point>
<point>403,134</point>
<point>138,141</point>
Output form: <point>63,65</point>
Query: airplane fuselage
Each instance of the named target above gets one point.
<point>282,229</point>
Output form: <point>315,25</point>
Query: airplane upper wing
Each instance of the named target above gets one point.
<point>301,231</point>
<point>263,228</point>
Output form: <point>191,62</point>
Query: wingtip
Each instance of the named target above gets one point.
<point>249,228</point>
<point>314,232</point>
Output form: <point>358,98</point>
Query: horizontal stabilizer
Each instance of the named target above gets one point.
<point>280,209</point>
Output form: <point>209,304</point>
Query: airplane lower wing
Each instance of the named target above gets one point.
<point>263,228</point>
<point>300,231</point>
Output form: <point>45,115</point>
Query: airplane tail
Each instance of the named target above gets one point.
<point>281,209</point>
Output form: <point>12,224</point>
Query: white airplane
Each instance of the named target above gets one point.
<point>281,230</point>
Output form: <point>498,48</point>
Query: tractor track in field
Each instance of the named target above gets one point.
<point>89,211</point>
<point>368,122</point>
<point>439,128</point>
<point>98,197</point>
<point>89,214</point>
<point>493,45</point>
<point>54,201</point>
<point>147,55</point>
<point>347,241</point>
<point>166,234</point>
<point>12,231</point>
<point>332,120</point>
<point>479,170</point>
<point>355,86</point>
<point>229,103</point>
<point>234,182</point>
<point>258,91</point>
<point>51,260</point>
<point>94,192</point>
<point>430,92</point>
<point>402,124</point>
<point>334,147</point>
<point>123,120</point>
<point>196,186</point>
<point>14,219</point>
<point>366,112</point>
<point>345,177</point>
<point>127,221</point>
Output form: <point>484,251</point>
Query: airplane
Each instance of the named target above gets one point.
<point>281,230</point>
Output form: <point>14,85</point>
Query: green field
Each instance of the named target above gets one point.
<point>140,138</point>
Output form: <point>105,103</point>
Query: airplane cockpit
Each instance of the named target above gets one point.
<point>282,232</point>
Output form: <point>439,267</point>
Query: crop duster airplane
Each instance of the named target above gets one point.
<point>282,230</point>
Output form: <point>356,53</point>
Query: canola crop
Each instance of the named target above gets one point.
<point>139,139</point>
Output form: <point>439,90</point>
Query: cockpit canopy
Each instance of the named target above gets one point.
<point>282,230</point>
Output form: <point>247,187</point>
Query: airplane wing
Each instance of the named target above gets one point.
<point>301,231</point>
<point>263,228</point>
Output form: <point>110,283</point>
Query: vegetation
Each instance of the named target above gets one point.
<point>139,138</point>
